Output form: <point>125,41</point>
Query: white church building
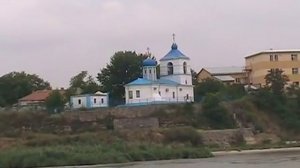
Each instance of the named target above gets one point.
<point>173,86</point>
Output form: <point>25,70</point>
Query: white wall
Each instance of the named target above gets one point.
<point>147,75</point>
<point>87,101</point>
<point>177,66</point>
<point>147,92</point>
<point>75,101</point>
<point>96,101</point>
<point>178,73</point>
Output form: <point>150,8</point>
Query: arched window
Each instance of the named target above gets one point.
<point>170,68</point>
<point>184,68</point>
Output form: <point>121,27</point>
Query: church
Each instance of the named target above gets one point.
<point>173,86</point>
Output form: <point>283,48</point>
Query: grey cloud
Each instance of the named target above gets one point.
<point>58,38</point>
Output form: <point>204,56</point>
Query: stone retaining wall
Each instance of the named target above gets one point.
<point>135,123</point>
<point>227,137</point>
<point>116,112</point>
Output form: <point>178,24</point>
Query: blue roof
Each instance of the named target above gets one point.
<point>141,81</point>
<point>174,54</point>
<point>149,62</point>
<point>167,82</point>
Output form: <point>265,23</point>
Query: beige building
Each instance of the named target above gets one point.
<point>258,65</point>
<point>227,75</point>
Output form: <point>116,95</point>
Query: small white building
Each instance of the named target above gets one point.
<point>174,85</point>
<point>95,100</point>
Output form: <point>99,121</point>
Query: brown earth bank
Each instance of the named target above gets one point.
<point>34,139</point>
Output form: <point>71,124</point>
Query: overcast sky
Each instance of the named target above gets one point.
<point>57,39</point>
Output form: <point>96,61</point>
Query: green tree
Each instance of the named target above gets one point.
<point>216,115</point>
<point>78,81</point>
<point>207,86</point>
<point>82,83</point>
<point>233,91</point>
<point>194,77</point>
<point>15,85</point>
<point>294,93</point>
<point>123,68</point>
<point>55,102</point>
<point>276,80</point>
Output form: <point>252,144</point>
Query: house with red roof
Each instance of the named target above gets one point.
<point>36,98</point>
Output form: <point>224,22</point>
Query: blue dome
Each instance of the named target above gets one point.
<point>149,62</point>
<point>174,46</point>
<point>174,54</point>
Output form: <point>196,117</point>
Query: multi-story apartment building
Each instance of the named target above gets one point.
<point>258,65</point>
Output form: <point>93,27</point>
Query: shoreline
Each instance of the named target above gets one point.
<point>215,154</point>
<point>256,151</point>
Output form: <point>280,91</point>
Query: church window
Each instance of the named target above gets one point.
<point>184,68</point>
<point>130,94</point>
<point>170,68</point>
<point>138,94</point>
<point>149,71</point>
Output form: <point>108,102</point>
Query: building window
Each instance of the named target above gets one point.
<point>137,94</point>
<point>130,94</point>
<point>167,90</point>
<point>237,80</point>
<point>274,70</point>
<point>294,70</point>
<point>186,82</point>
<point>294,57</point>
<point>79,101</point>
<point>149,71</point>
<point>155,88</point>
<point>170,68</point>
<point>159,93</point>
<point>271,58</point>
<point>276,57</point>
<point>184,68</point>
<point>95,100</point>
<point>145,71</point>
<point>173,95</point>
<point>102,100</point>
<point>187,96</point>
<point>180,89</point>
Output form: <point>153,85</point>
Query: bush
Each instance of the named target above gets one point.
<point>183,135</point>
<point>84,154</point>
<point>216,115</point>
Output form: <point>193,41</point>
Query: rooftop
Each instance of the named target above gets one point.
<point>224,78</point>
<point>141,81</point>
<point>174,54</point>
<point>274,51</point>
<point>224,70</point>
<point>39,95</point>
<point>149,62</point>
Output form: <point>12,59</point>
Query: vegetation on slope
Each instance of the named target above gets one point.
<point>36,150</point>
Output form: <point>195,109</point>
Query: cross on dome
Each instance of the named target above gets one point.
<point>173,37</point>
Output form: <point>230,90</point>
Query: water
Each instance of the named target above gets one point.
<point>263,160</point>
